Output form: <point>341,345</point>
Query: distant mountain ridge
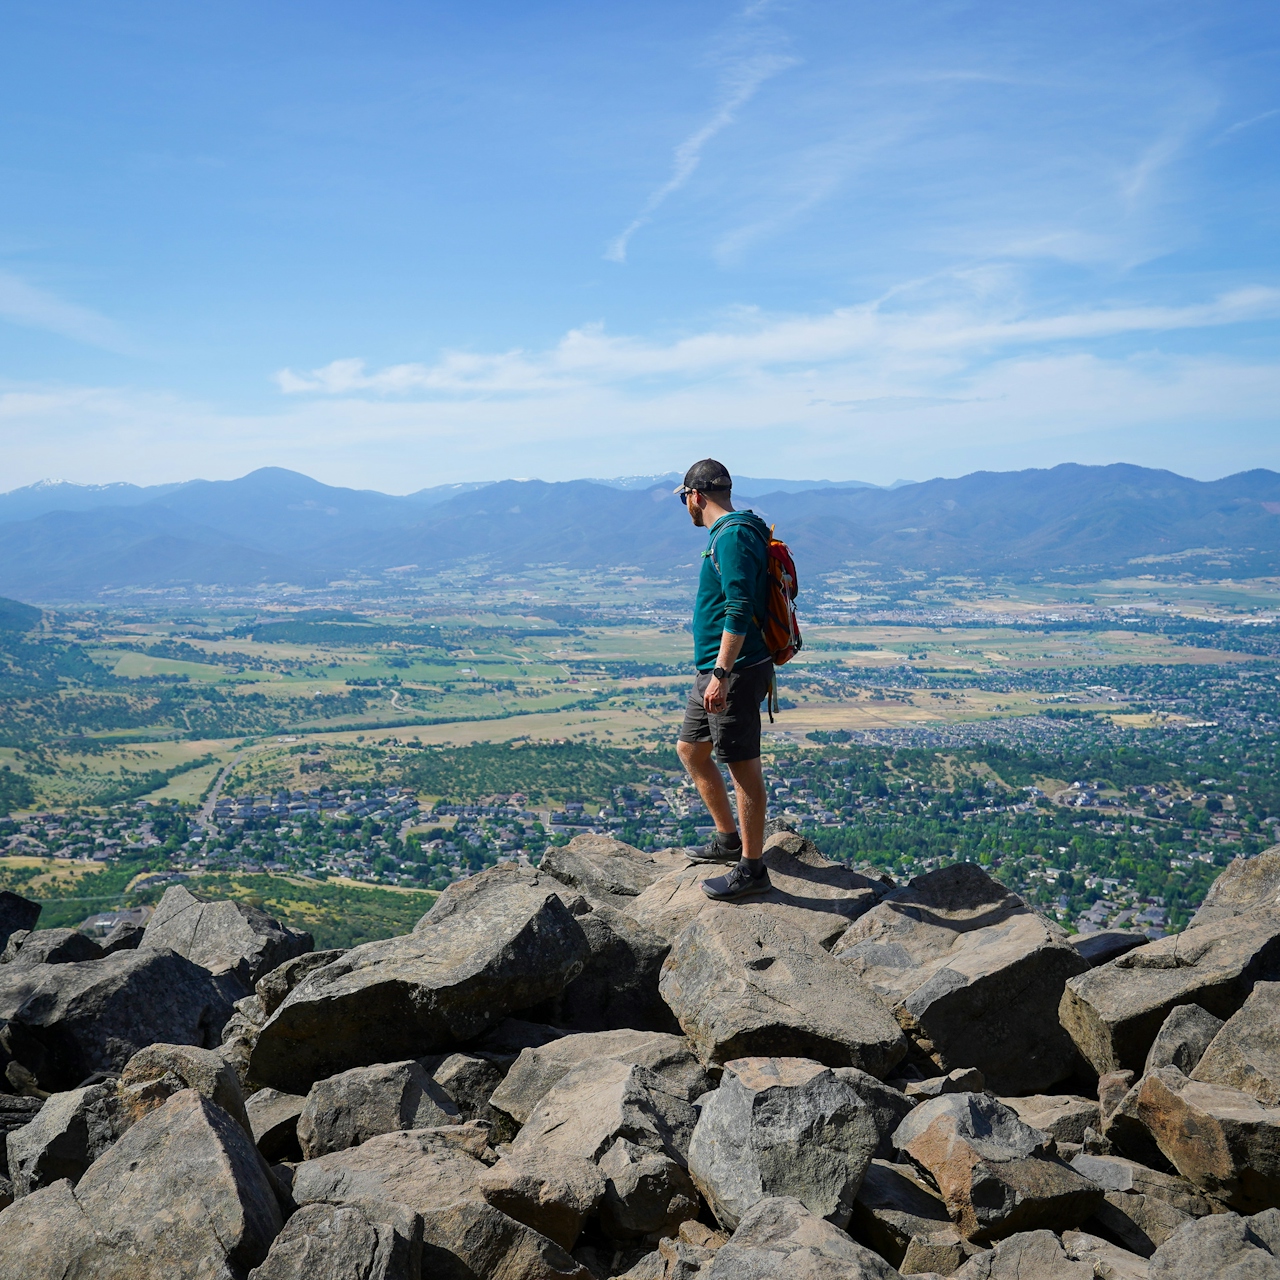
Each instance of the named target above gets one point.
<point>277,526</point>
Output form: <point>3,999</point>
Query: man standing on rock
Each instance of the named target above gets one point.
<point>735,671</point>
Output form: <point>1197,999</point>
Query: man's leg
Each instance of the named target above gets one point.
<point>748,782</point>
<point>696,758</point>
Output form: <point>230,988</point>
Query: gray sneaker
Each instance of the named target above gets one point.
<point>714,851</point>
<point>738,883</point>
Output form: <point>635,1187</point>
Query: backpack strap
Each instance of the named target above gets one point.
<point>710,552</point>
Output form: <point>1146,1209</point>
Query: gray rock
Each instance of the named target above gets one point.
<point>13,945</point>
<point>1125,1132</point>
<point>157,1072</point>
<point>1114,1012</point>
<point>606,870</point>
<point>125,935</point>
<point>539,1069</point>
<point>889,1107</point>
<point>1136,1222</point>
<point>745,983</point>
<point>553,1194</point>
<point>647,1194</point>
<point>68,1134</point>
<point>1115,1173</point>
<point>223,937</point>
<point>354,1106</point>
<point>1030,1255</point>
<point>995,1173</point>
<point>469,1079</point>
<point>67,1021</point>
<point>473,1239</point>
<point>274,985</point>
<point>1245,1053</point>
<point>973,973</point>
<point>905,1221</point>
<point>52,946</point>
<point>16,913</point>
<point>961,1080</point>
<point>618,986</point>
<point>1106,944</point>
<point>182,1193</point>
<point>273,1120</point>
<point>810,893</point>
<point>781,1238</point>
<point>1182,1039</point>
<point>1222,1140</point>
<point>600,1101</point>
<point>346,1242</point>
<point>492,944</point>
<point>1243,886</point>
<point>1063,1117</point>
<point>15,1113</point>
<point>1109,1261</point>
<point>781,1127</point>
<point>1221,1246</point>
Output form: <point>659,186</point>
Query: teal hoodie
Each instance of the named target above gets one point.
<point>733,589</point>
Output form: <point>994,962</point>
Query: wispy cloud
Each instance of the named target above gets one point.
<point>34,308</point>
<point>741,79</point>
<point>961,333</point>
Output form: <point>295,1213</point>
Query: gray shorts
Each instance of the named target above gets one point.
<point>735,731</point>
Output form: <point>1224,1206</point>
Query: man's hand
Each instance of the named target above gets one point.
<point>716,697</point>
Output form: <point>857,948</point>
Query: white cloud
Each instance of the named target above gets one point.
<point>24,304</point>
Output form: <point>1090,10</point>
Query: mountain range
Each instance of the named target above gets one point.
<point>62,542</point>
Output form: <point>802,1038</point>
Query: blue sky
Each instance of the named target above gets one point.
<point>395,244</point>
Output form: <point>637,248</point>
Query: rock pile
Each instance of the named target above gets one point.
<point>591,1071</point>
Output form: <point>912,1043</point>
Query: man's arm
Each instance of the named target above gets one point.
<point>730,646</point>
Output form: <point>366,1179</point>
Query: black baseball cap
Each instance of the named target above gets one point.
<point>707,476</point>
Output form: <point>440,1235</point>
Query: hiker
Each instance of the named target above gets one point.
<point>734,675</point>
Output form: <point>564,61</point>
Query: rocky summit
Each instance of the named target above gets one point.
<point>591,1071</point>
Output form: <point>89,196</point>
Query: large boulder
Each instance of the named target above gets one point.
<point>1244,885</point>
<point>973,973</point>
<point>554,1194</point>
<point>346,1242</point>
<point>160,1070</point>
<point>1245,1052</point>
<point>744,983</point>
<point>1114,1012</point>
<point>1140,1224</point>
<point>435,1178</point>
<point>1182,1039</point>
<point>1064,1117</point>
<point>1225,1247</point>
<point>492,944</point>
<point>51,946</point>
<point>996,1174</point>
<point>905,1221</point>
<point>781,1127</point>
<point>16,913</point>
<point>1224,1141</point>
<point>540,1068</point>
<point>1030,1255</point>
<point>469,1079</point>
<point>1119,1174</point>
<point>810,893</point>
<point>1109,1261</point>
<point>68,1134</point>
<point>272,988</point>
<point>600,1101</point>
<point>1105,944</point>
<point>67,1021</point>
<point>606,870</point>
<point>781,1238</point>
<point>647,1193</point>
<point>224,937</point>
<point>618,985</point>
<point>353,1106</point>
<point>182,1193</point>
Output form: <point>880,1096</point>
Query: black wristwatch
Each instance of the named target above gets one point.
<point>720,673</point>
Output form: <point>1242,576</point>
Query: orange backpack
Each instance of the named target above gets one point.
<point>780,627</point>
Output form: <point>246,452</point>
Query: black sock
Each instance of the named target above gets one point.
<point>754,867</point>
<point>729,840</point>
